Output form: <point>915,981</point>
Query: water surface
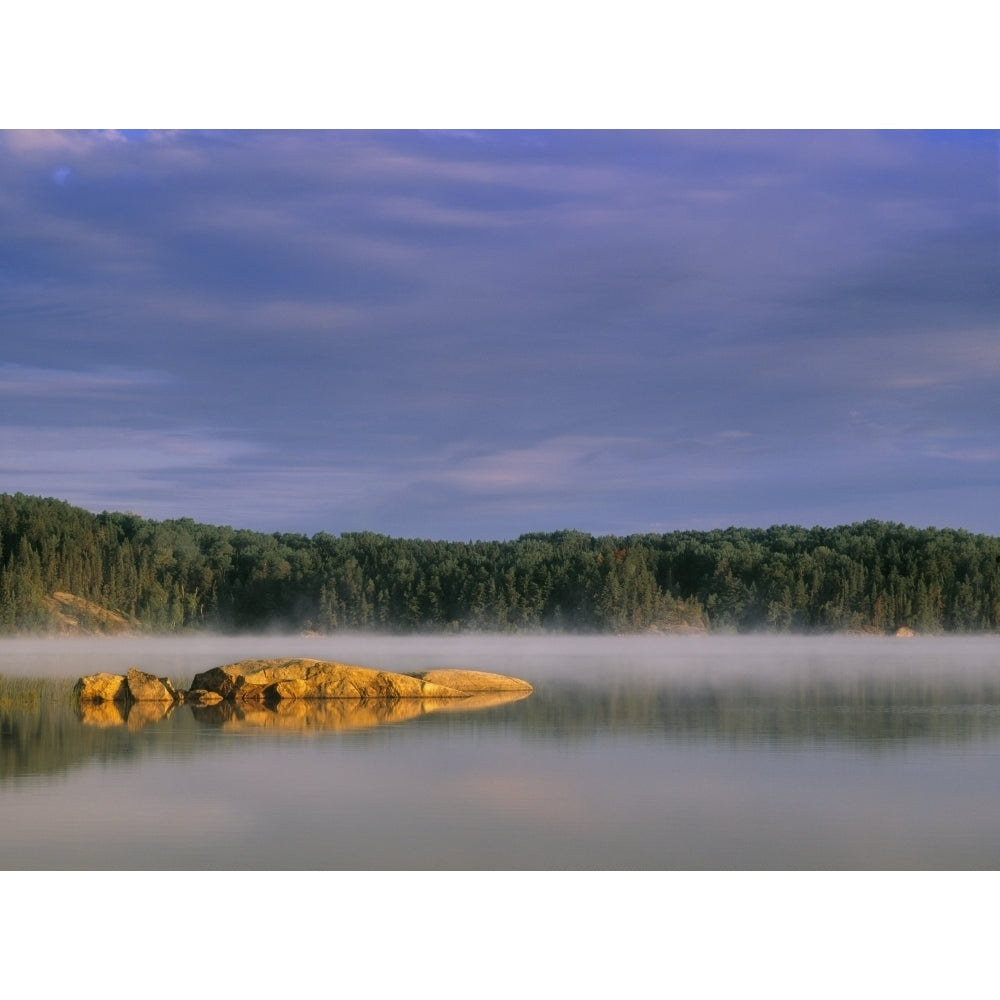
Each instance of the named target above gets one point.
<point>644,753</point>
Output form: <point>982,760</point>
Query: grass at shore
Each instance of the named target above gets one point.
<point>29,692</point>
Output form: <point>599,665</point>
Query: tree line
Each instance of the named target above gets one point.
<point>168,576</point>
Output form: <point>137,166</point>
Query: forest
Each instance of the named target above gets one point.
<point>178,575</point>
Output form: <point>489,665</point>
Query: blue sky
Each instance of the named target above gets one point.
<point>478,334</point>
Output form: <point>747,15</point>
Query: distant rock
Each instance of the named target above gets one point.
<point>678,628</point>
<point>905,633</point>
<point>72,615</point>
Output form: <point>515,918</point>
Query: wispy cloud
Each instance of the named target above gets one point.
<point>483,333</point>
<point>95,452</point>
<point>975,455</point>
<point>550,465</point>
<point>27,380</point>
<point>46,143</point>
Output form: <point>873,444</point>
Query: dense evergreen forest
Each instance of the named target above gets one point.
<point>167,576</point>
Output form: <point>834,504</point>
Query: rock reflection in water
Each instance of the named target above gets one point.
<point>332,714</point>
<point>339,714</point>
<point>137,715</point>
<point>102,714</point>
<point>148,713</point>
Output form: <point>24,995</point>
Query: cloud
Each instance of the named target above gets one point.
<point>975,455</point>
<point>550,465</point>
<point>426,329</point>
<point>95,452</point>
<point>26,380</point>
<point>34,143</point>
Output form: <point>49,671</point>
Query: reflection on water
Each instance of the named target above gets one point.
<point>338,715</point>
<point>794,757</point>
<point>52,731</point>
<point>872,714</point>
<point>294,714</point>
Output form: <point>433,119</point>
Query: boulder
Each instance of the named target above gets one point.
<point>147,687</point>
<point>289,679</point>
<point>101,687</point>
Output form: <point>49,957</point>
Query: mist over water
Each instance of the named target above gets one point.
<point>714,661</point>
<point>637,752</point>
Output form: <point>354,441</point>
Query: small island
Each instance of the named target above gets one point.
<point>294,679</point>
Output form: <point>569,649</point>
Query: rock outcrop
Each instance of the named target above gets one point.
<point>293,694</point>
<point>298,679</point>
<point>72,615</point>
<point>287,681</point>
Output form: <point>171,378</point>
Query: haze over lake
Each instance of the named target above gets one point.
<point>631,753</point>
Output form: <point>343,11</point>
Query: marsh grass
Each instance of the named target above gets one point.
<point>31,692</point>
<point>40,732</point>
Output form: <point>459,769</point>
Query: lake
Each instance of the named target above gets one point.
<point>726,753</point>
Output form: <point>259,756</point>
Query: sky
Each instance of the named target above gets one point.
<point>472,335</point>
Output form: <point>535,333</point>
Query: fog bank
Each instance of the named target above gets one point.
<point>714,660</point>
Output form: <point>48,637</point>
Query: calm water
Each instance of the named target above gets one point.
<point>644,753</point>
